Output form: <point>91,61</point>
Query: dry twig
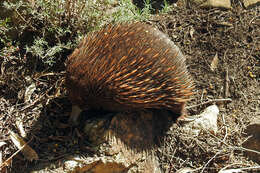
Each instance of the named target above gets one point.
<point>210,101</point>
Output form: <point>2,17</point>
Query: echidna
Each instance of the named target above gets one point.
<point>127,66</point>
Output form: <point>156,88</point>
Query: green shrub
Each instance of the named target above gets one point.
<point>46,31</point>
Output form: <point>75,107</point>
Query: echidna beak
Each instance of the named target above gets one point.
<point>75,112</point>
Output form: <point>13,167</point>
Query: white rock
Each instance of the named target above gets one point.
<point>211,3</point>
<point>217,3</point>
<point>206,121</point>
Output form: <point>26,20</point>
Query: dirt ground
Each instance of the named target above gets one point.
<point>233,36</point>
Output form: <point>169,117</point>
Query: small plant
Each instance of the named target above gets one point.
<point>3,29</point>
<point>47,30</point>
<point>166,7</point>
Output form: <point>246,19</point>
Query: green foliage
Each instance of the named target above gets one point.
<point>48,30</point>
<point>4,28</point>
<point>127,11</point>
<point>166,7</point>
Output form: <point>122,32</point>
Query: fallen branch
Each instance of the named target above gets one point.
<point>239,169</point>
<point>210,101</point>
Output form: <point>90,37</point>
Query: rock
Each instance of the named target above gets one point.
<point>206,121</point>
<point>210,3</point>
<point>251,3</point>
<point>253,130</point>
<point>217,3</point>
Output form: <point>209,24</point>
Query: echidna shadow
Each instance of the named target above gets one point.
<point>129,68</point>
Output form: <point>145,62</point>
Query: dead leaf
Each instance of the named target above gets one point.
<point>2,143</point>
<point>27,151</point>
<point>225,24</point>
<point>192,30</point>
<point>28,92</point>
<point>214,63</point>
<point>1,158</point>
<point>20,127</point>
<point>185,170</point>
